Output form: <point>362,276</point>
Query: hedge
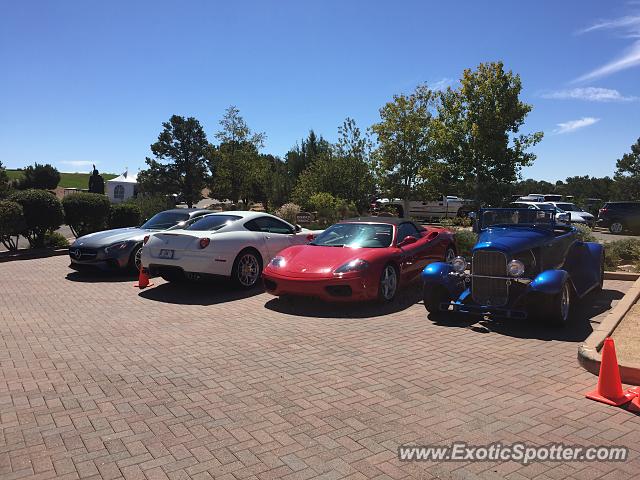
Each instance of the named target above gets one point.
<point>86,212</point>
<point>124,215</point>
<point>42,213</point>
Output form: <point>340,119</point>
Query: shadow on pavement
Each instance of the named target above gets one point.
<point>200,293</point>
<point>100,277</point>
<point>313,307</point>
<point>577,330</point>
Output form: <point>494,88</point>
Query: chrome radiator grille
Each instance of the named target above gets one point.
<point>489,291</point>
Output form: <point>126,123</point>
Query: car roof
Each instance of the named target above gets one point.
<point>182,210</point>
<point>387,220</point>
<point>244,214</point>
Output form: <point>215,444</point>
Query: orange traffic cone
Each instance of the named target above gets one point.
<point>609,389</point>
<point>143,280</point>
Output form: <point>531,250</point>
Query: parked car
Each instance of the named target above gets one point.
<point>620,216</point>
<point>447,206</point>
<point>359,259</point>
<point>120,248</point>
<point>234,244</point>
<point>525,264</point>
<point>578,215</point>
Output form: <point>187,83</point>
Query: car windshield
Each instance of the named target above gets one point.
<point>517,216</point>
<point>356,235</point>
<point>568,207</point>
<point>212,222</point>
<point>164,220</point>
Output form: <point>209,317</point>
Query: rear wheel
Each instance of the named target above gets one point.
<point>616,227</point>
<point>450,254</point>
<point>388,284</point>
<point>247,269</point>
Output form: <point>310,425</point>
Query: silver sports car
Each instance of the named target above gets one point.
<point>120,248</point>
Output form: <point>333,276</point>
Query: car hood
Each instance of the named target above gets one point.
<point>313,260</point>
<point>512,240</point>
<point>108,237</point>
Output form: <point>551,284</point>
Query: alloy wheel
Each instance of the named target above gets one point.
<point>248,270</point>
<point>450,255</point>
<point>389,282</point>
<point>616,227</point>
<point>137,259</point>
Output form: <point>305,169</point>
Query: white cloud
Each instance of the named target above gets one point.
<point>590,94</point>
<point>78,163</point>
<point>441,84</point>
<point>630,58</point>
<point>573,125</point>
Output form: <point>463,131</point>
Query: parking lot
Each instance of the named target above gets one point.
<point>102,380</point>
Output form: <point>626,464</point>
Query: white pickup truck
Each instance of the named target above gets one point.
<point>447,206</point>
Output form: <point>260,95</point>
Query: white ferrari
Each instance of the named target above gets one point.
<point>235,245</point>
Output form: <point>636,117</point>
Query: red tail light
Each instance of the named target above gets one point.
<point>310,237</point>
<point>146,239</point>
<point>204,242</point>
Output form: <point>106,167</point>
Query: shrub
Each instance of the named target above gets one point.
<point>288,212</point>
<point>42,213</point>
<point>124,215</point>
<point>86,212</point>
<point>585,234</point>
<point>45,177</point>
<point>4,182</point>
<point>621,252</point>
<point>11,223</point>
<point>326,206</point>
<point>149,205</point>
<point>55,240</point>
<point>456,222</point>
<point>465,241</point>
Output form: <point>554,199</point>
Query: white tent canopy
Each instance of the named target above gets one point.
<point>122,187</point>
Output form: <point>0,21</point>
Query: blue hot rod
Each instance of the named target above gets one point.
<point>526,263</point>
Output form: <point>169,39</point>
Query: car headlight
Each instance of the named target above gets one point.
<point>116,246</point>
<point>515,268</point>
<point>357,265</point>
<point>277,262</point>
<point>459,264</point>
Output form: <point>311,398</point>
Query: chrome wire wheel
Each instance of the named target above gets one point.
<point>449,255</point>
<point>248,270</point>
<point>565,302</point>
<point>388,283</point>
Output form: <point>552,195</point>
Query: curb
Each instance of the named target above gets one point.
<point>32,254</point>
<point>588,353</point>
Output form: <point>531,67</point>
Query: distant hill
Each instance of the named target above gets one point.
<point>67,180</point>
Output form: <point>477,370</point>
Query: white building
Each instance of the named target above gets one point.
<point>123,187</point>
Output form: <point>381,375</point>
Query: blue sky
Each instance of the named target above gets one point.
<point>86,82</point>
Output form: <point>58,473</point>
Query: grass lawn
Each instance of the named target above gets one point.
<point>67,180</point>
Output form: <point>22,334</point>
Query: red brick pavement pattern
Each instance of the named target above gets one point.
<point>99,381</point>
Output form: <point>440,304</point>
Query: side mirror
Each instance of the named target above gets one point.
<point>297,228</point>
<point>564,218</point>
<point>408,240</point>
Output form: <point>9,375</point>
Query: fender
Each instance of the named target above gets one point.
<point>437,273</point>
<point>549,282</point>
<point>596,250</point>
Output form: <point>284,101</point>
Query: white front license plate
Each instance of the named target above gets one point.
<point>166,253</point>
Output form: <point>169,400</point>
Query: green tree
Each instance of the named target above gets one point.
<point>344,172</point>
<point>302,156</point>
<point>42,213</point>
<point>12,223</point>
<point>405,143</point>
<point>4,181</point>
<point>182,144</point>
<point>233,160</point>
<point>477,130</point>
<point>43,177</point>
<point>627,174</point>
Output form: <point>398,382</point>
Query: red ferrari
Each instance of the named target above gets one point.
<point>358,259</point>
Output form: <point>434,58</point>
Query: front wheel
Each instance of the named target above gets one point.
<point>247,269</point>
<point>434,296</point>
<point>388,284</point>
<point>135,261</point>
<point>449,255</point>
<point>559,306</point>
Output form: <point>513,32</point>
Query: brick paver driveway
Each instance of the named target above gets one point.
<point>99,379</point>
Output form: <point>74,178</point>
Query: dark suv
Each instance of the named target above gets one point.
<point>619,216</point>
